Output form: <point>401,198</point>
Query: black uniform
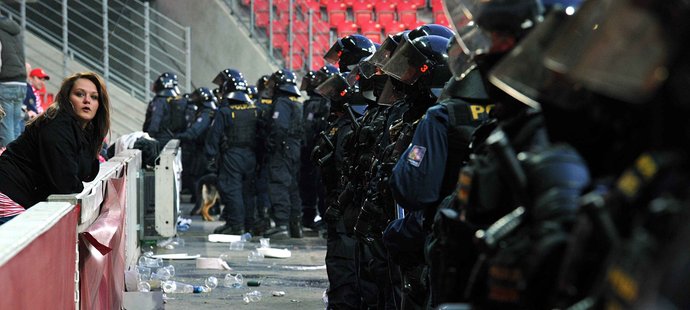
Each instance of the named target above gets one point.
<point>233,134</point>
<point>312,191</point>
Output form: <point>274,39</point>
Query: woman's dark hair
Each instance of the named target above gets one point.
<point>98,128</point>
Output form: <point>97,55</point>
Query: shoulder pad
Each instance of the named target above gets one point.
<point>294,98</point>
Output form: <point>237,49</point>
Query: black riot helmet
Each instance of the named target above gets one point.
<point>226,74</point>
<point>235,88</point>
<point>252,92</point>
<point>324,73</point>
<point>422,62</point>
<point>383,53</point>
<point>308,81</point>
<point>166,85</point>
<point>484,17</point>
<point>283,80</point>
<point>261,86</point>
<point>430,29</point>
<point>203,97</point>
<point>350,50</point>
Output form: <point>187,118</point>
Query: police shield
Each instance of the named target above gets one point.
<point>623,55</point>
<point>463,13</point>
<point>459,62</point>
<point>522,74</point>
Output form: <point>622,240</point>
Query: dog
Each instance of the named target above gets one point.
<point>207,196</point>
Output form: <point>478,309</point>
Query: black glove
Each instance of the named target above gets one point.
<point>333,213</point>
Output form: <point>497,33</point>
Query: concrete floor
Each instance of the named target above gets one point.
<point>303,288</point>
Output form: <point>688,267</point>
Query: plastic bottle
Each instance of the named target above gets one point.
<point>179,287</point>
<point>246,237</point>
<point>211,282</point>
<point>253,296</point>
<point>233,280</point>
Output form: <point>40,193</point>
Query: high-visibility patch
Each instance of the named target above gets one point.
<point>416,154</point>
<point>276,114</point>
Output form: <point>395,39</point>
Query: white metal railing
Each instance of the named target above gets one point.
<point>125,41</point>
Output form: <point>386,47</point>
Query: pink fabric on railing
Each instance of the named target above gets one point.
<point>101,251</point>
<point>41,276</point>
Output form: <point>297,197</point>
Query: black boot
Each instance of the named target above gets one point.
<point>228,229</point>
<point>296,229</point>
<point>278,232</point>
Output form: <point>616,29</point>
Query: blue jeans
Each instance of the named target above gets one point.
<point>11,100</point>
<point>4,220</point>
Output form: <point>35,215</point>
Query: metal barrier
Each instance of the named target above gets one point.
<point>131,46</point>
<point>168,172</point>
<point>39,266</point>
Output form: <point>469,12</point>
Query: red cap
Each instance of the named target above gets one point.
<point>39,73</point>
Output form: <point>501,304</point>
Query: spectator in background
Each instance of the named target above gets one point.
<point>12,79</point>
<point>29,101</point>
<point>37,79</point>
<point>59,149</point>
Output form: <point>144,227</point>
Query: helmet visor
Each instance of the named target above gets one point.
<point>334,53</point>
<point>633,68</point>
<point>384,53</point>
<point>389,94</point>
<point>237,96</point>
<point>306,83</point>
<point>354,76</point>
<point>367,69</point>
<point>334,88</point>
<point>460,64</point>
<point>408,64</point>
<point>522,74</point>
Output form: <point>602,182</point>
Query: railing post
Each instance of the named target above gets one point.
<point>251,18</point>
<point>147,51</point>
<point>188,58</point>
<point>291,21</point>
<point>106,43</point>
<point>22,13</point>
<point>270,28</point>
<point>311,39</point>
<point>65,36</point>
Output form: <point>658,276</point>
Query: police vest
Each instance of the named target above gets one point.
<point>463,118</point>
<point>242,132</point>
<point>176,119</point>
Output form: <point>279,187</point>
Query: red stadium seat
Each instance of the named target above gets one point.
<point>372,30</point>
<point>297,62</point>
<point>385,12</point>
<point>314,6</point>
<point>407,13</point>
<point>261,19</point>
<point>437,5</point>
<point>260,6</point>
<point>394,28</point>
<point>317,62</point>
<point>280,42</point>
<point>441,19</point>
<point>346,29</point>
<point>362,12</point>
<point>337,13</point>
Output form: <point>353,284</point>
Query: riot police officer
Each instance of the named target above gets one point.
<point>233,137</point>
<point>264,104</point>
<point>195,135</point>
<point>165,115</point>
<point>625,250</point>
<point>343,289</point>
<point>283,142</point>
<point>510,213</point>
<point>315,114</point>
